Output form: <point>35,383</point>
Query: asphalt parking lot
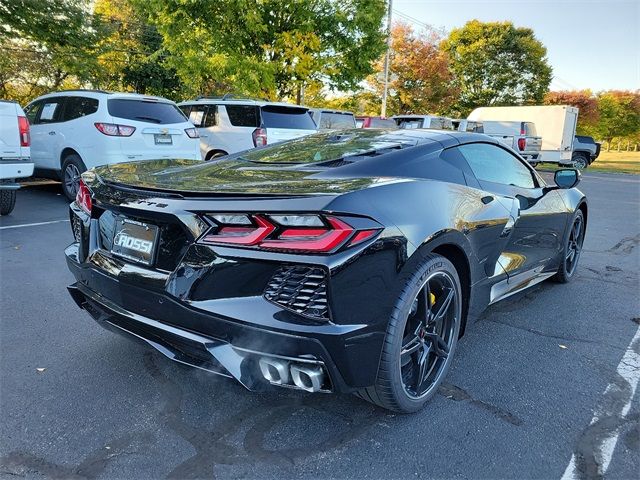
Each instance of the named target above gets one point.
<point>540,379</point>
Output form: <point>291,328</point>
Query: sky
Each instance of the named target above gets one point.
<point>591,44</point>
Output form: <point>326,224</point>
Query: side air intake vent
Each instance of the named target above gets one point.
<point>300,289</point>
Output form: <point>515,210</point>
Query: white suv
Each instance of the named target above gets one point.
<point>14,153</point>
<point>229,125</point>
<point>73,131</point>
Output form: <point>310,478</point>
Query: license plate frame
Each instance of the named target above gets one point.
<point>134,240</point>
<point>162,139</point>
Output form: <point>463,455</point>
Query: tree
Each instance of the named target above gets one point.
<point>584,100</point>
<point>619,114</point>
<point>420,78</point>
<point>271,48</point>
<point>52,43</point>
<point>496,63</point>
<point>132,56</point>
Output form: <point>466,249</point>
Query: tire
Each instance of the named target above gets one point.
<point>72,168</point>
<point>398,386</point>
<point>580,161</point>
<point>572,249</point>
<point>214,155</point>
<point>7,201</point>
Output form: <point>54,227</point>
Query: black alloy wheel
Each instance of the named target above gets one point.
<point>572,249</point>
<point>421,338</point>
<point>429,335</point>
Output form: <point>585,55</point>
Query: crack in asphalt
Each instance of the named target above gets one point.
<point>554,336</point>
<point>20,463</point>
<point>458,394</point>
<point>626,245</point>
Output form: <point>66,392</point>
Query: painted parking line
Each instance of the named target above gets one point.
<point>613,407</point>
<point>33,224</point>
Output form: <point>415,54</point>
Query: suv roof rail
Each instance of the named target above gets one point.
<point>229,96</point>
<point>84,90</point>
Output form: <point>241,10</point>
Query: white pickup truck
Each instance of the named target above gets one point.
<point>521,136</point>
<point>15,153</point>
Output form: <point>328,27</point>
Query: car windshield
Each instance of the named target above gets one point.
<point>323,147</point>
<point>150,111</point>
<point>287,117</point>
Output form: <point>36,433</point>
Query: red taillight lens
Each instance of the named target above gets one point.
<point>522,144</point>
<point>83,197</point>
<point>294,233</point>
<point>234,235</point>
<point>24,129</point>
<point>192,132</point>
<point>259,137</point>
<point>115,130</point>
<point>312,239</point>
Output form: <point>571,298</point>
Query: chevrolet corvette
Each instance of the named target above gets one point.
<point>340,262</point>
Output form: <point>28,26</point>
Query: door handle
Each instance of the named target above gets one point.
<point>52,132</point>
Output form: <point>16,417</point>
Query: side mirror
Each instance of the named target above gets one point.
<point>566,178</point>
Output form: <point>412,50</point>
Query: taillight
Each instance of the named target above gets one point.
<point>522,144</point>
<point>294,233</point>
<point>23,128</point>
<point>259,137</point>
<point>115,130</point>
<point>192,132</point>
<point>83,197</point>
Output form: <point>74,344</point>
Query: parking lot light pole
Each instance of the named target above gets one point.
<point>385,92</point>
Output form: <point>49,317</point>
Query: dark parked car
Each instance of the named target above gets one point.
<point>340,262</point>
<point>585,151</point>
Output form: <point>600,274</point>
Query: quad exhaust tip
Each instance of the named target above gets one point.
<point>301,375</point>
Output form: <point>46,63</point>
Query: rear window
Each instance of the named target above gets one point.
<point>286,117</point>
<point>382,123</point>
<point>150,111</point>
<point>333,120</point>
<point>441,123</point>
<point>529,129</point>
<point>243,115</point>
<point>409,123</point>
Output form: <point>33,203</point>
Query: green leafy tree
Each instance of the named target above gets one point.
<point>51,42</point>
<point>270,48</point>
<point>496,63</point>
<point>131,52</point>
<point>619,114</point>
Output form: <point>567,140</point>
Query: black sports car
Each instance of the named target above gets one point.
<point>340,262</point>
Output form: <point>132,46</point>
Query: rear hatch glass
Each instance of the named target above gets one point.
<point>383,123</point>
<point>150,111</point>
<point>409,123</point>
<point>287,117</point>
<point>333,120</point>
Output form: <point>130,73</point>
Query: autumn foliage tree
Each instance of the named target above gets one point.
<point>420,80</point>
<point>584,100</point>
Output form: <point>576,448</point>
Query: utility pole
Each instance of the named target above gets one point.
<point>385,92</point>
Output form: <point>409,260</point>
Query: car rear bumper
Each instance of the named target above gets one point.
<point>347,356</point>
<point>10,169</point>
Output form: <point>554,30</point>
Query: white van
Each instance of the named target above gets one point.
<point>15,153</point>
<point>75,130</point>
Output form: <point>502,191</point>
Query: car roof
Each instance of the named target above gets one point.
<point>238,101</point>
<point>330,110</point>
<point>102,93</point>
